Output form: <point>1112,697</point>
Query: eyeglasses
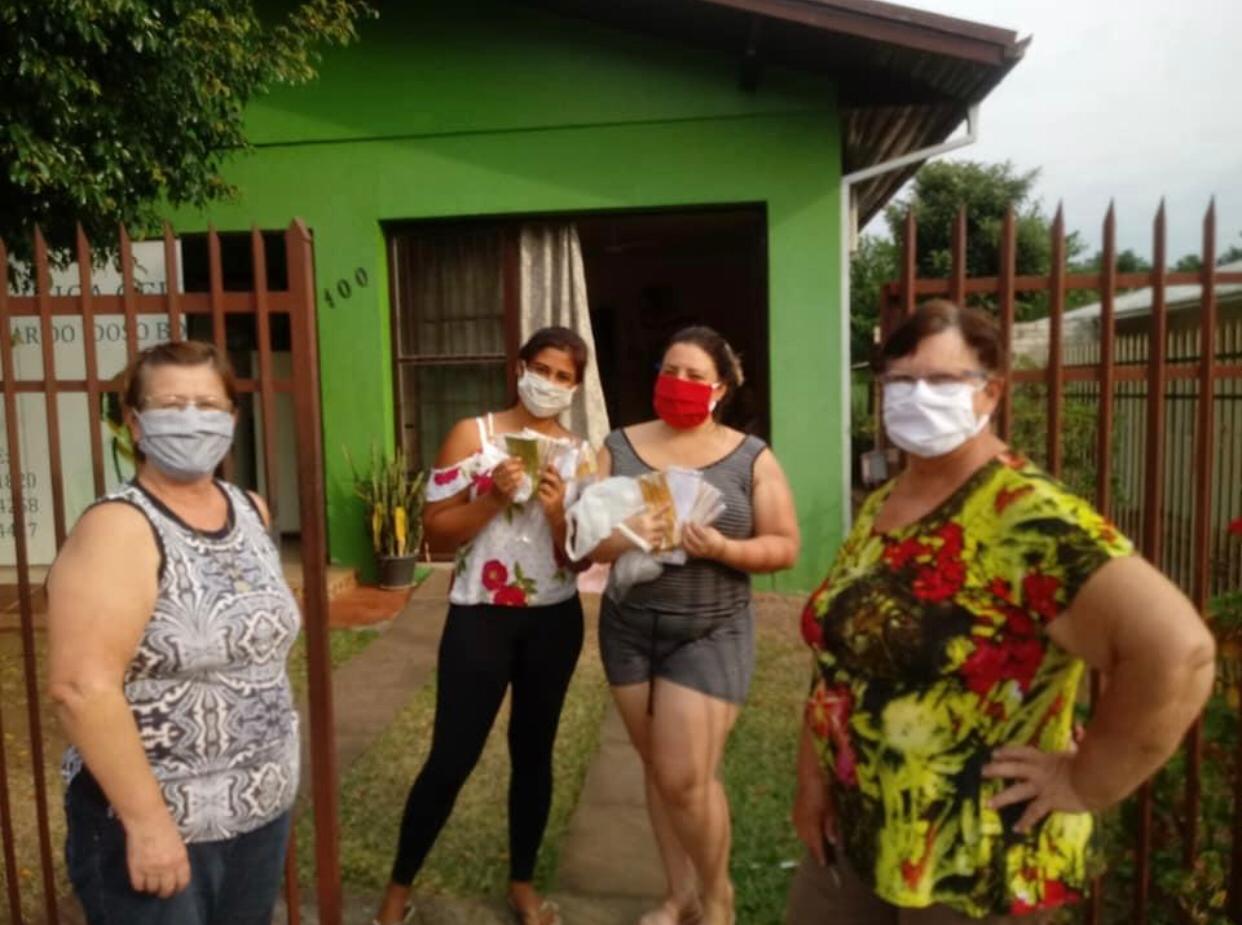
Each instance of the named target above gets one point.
<point>901,379</point>
<point>182,402</point>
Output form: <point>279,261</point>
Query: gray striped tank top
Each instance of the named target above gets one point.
<point>207,684</point>
<point>701,587</point>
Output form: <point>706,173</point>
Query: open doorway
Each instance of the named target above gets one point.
<point>456,309</point>
<point>651,274</point>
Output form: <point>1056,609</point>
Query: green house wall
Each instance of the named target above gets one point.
<point>492,109</point>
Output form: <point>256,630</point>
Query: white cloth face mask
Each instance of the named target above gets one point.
<point>931,420</point>
<point>542,397</point>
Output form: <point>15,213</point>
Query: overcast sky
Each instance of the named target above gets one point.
<point>1123,99</point>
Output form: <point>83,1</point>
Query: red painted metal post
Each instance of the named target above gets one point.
<point>11,876</point>
<point>172,295</point>
<point>1006,296</point>
<point>324,778</point>
<point>1153,515</point>
<point>1056,318</point>
<point>1203,475</point>
<point>25,604</point>
<point>957,282</point>
<point>909,263</point>
<point>93,404</point>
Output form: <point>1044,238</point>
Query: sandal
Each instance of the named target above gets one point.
<point>546,913</point>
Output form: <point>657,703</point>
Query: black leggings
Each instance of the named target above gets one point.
<point>485,649</point>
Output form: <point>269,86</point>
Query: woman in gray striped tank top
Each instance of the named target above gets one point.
<point>169,623</point>
<point>679,650</point>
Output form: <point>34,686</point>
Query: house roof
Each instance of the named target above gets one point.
<point>1137,302</point>
<point>905,77</point>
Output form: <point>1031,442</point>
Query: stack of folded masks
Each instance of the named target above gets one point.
<point>679,497</point>
<point>536,451</point>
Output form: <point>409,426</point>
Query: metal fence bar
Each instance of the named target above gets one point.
<point>1005,292</point>
<point>1056,316</point>
<point>26,607</point>
<point>128,291</point>
<point>171,293</point>
<point>267,394</point>
<point>1204,451</point>
<point>909,263</point>
<point>43,283</point>
<point>219,336</point>
<point>957,281</point>
<point>90,358</point>
<point>324,776</point>
<point>11,881</point>
<point>1153,521</point>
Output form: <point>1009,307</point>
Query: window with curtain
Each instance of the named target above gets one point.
<point>450,330</point>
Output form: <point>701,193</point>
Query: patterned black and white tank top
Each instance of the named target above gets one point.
<point>207,684</point>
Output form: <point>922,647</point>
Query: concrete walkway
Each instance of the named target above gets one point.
<point>609,872</point>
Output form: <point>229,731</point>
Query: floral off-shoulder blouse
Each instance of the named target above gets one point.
<point>931,651</point>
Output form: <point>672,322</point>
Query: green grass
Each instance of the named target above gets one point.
<point>471,856</point>
<point>759,777</point>
<point>343,644</point>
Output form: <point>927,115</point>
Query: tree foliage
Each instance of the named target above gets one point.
<point>109,108</point>
<point>986,191</point>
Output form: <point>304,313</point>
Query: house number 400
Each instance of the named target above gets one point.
<point>344,288</point>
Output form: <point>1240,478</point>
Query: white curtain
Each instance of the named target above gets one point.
<point>554,293</point>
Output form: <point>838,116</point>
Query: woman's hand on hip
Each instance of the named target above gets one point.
<point>158,860</point>
<point>814,820</point>
<point>703,542</point>
<point>1041,779</point>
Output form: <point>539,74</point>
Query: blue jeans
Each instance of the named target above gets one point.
<point>232,882</point>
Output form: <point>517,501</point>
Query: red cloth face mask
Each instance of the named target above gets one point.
<point>681,403</point>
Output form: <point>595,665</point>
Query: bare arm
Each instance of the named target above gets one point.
<point>776,541</point>
<point>813,816</point>
<point>455,521</point>
<point>1158,659</point>
<point>91,639</point>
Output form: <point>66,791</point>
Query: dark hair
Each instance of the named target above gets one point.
<point>711,342</point>
<point>934,316</point>
<point>181,353</point>
<point>558,338</point>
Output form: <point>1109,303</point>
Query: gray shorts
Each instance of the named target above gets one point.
<point>712,655</point>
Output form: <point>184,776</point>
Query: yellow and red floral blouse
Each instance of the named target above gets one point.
<point>931,652</point>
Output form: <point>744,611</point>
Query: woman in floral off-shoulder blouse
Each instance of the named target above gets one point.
<point>514,621</point>
<point>938,777</point>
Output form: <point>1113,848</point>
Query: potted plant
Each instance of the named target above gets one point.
<point>393,496</point>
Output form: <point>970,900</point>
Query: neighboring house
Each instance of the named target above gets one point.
<point>1132,314</point>
<point>636,165</point>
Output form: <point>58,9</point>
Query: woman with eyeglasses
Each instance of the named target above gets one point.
<point>939,779</point>
<point>169,624</point>
<point>679,651</point>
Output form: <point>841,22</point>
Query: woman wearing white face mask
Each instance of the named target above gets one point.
<point>169,623</point>
<point>938,778</point>
<point>514,620</point>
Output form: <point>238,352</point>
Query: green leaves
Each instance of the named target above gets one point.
<point>393,498</point>
<point>111,108</point>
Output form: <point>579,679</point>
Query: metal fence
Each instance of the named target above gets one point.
<point>59,322</point>
<point>1163,456</point>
